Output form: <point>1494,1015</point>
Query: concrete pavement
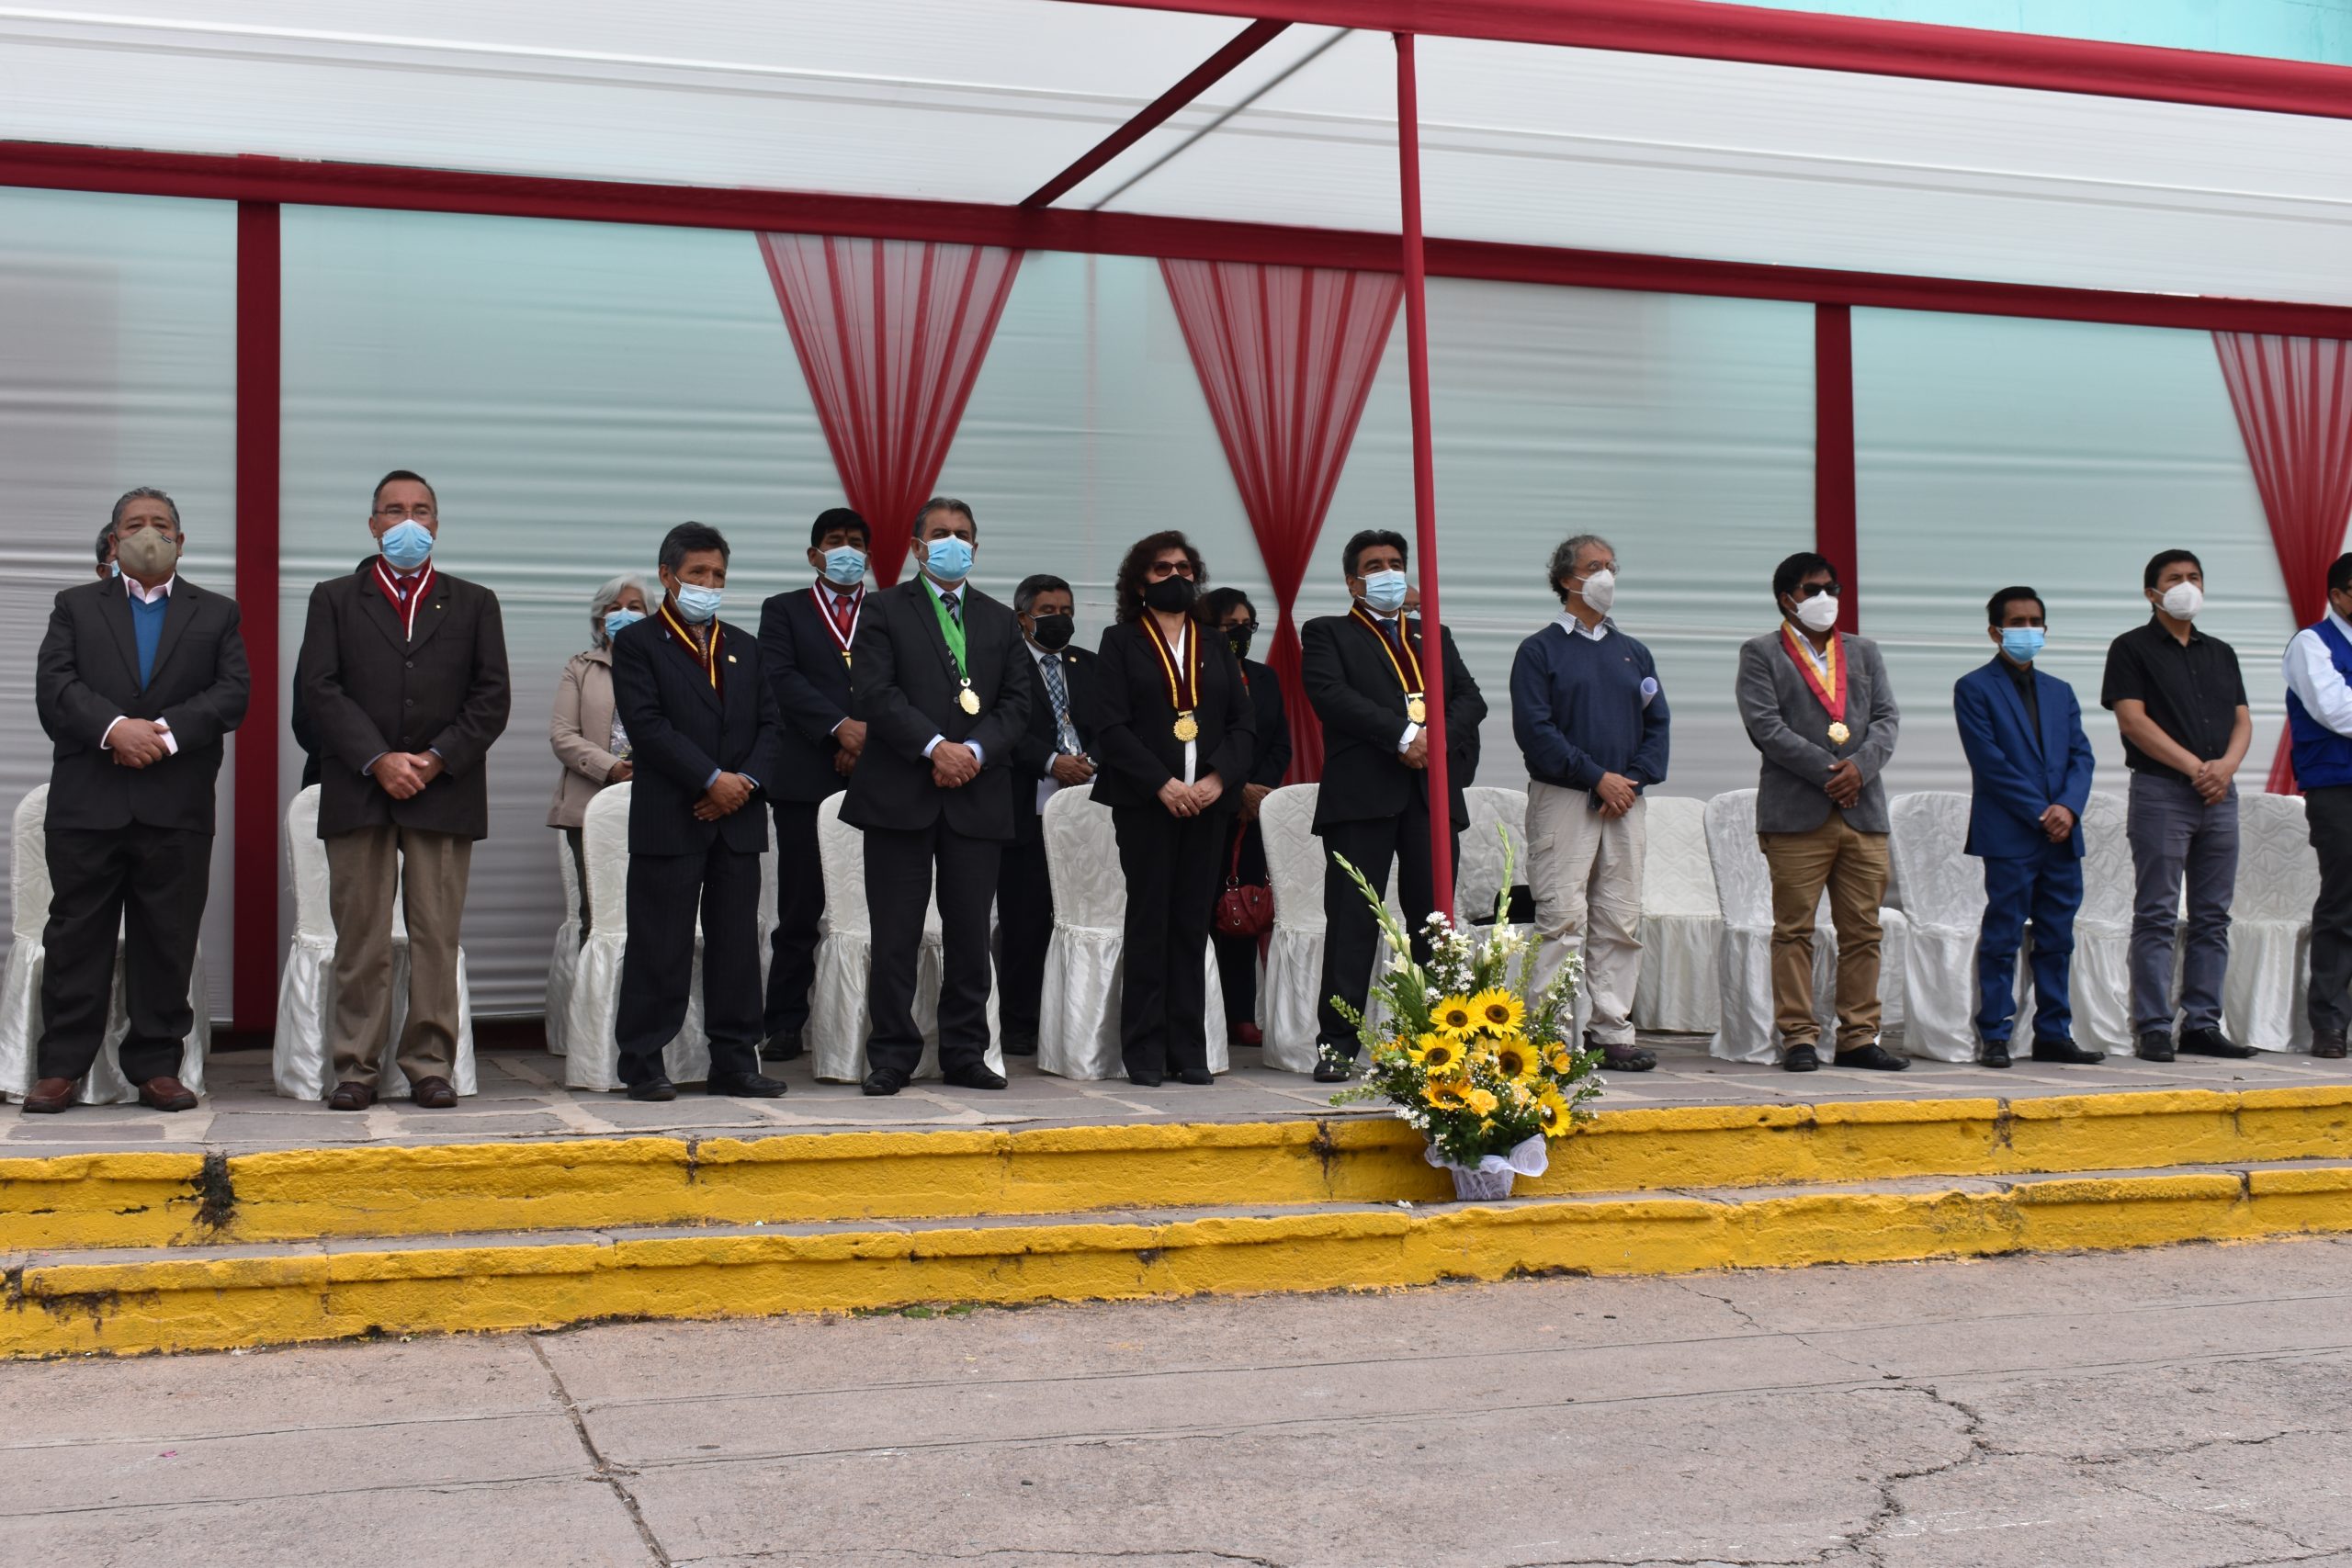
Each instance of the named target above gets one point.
<point>2180,1409</point>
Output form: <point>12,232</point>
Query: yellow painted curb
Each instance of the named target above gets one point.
<point>186,1303</point>
<point>155,1200</point>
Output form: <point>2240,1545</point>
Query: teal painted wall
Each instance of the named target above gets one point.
<point>2289,30</point>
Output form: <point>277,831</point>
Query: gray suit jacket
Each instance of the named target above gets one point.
<point>1790,728</point>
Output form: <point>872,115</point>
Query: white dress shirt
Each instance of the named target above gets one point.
<point>1574,628</point>
<point>2312,676</point>
<point>131,585</point>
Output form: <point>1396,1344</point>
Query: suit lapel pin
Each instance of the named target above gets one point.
<point>730,658</point>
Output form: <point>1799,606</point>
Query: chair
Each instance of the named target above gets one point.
<point>1944,905</point>
<point>2102,967</point>
<point>21,1015</point>
<point>838,1019</point>
<point>2270,926</point>
<point>592,1058</point>
<point>1682,920</point>
<point>1077,1033</point>
<point>1744,889</point>
<point>1294,978</point>
<point>564,965</point>
<point>301,1061</point>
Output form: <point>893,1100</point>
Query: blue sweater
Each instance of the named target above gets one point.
<point>1581,708</point>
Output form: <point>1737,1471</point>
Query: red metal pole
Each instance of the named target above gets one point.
<point>1417,362</point>
<point>1835,526</point>
<point>254,810</point>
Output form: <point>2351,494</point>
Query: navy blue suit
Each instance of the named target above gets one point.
<point>2020,771</point>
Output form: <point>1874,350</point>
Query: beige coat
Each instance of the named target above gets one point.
<point>580,730</point>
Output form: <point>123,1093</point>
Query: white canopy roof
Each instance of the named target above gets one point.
<point>983,100</point>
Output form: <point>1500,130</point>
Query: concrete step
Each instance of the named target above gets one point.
<point>219,1296</point>
<point>197,1196</point>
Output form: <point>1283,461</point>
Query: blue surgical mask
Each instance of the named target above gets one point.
<point>1384,591</point>
<point>2022,643</point>
<point>406,545</point>
<point>619,621</point>
<point>845,567</point>
<point>948,560</point>
<point>698,603</point>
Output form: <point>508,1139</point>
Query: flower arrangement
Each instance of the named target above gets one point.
<point>1481,1066</point>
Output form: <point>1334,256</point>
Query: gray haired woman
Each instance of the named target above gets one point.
<point>586,729</point>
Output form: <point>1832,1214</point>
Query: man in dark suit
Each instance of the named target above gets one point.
<point>1237,956</point>
<point>403,674</point>
<point>1363,674</point>
<point>2031,766</point>
<point>939,678</point>
<point>703,733</point>
<point>806,635</point>
<point>1051,754</point>
<point>139,679</point>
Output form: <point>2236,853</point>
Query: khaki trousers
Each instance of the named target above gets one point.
<point>1585,870</point>
<point>1852,865</point>
<point>367,869</point>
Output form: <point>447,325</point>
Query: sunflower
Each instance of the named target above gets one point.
<point>1551,1113</point>
<point>1437,1054</point>
<point>1500,1012</point>
<point>1391,1049</point>
<point>1455,1016</point>
<point>1446,1092</point>
<point>1514,1058</point>
<point>1559,1058</point>
<point>1481,1100</point>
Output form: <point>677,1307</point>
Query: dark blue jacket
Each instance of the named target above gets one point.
<point>2019,774</point>
<point>1581,708</point>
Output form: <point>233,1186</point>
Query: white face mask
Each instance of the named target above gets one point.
<point>1817,614</point>
<point>2183,600</point>
<point>1599,591</point>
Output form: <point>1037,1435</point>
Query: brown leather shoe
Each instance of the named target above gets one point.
<point>433,1094</point>
<point>49,1096</point>
<point>351,1097</point>
<point>166,1093</point>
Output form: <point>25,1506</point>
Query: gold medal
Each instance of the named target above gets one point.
<point>1188,729</point>
<point>969,700</point>
<point>1838,733</point>
<point>1415,708</point>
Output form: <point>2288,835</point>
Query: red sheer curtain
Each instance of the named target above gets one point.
<point>2293,396</point>
<point>890,334</point>
<point>1287,356</point>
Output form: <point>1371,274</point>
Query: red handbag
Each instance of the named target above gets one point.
<point>1244,909</point>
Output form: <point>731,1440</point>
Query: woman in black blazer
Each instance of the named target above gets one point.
<point>1173,733</point>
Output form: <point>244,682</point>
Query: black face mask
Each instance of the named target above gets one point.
<point>1170,595</point>
<point>1240,642</point>
<point>1052,632</point>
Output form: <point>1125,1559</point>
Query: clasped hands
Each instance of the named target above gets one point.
<point>849,744</point>
<point>2057,823</point>
<point>953,765</point>
<point>727,796</point>
<point>1617,794</point>
<point>1844,784</point>
<point>2211,781</point>
<point>404,775</point>
<point>137,744</point>
<point>1190,800</point>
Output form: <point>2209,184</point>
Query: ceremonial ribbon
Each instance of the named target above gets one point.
<point>1184,690</point>
<point>825,612</point>
<point>1412,685</point>
<point>1832,695</point>
<point>709,662</point>
<point>391,591</point>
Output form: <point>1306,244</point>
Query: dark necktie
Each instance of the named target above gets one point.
<point>1057,689</point>
<point>1389,630</point>
<point>954,611</point>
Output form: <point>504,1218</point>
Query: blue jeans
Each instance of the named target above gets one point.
<point>2046,890</point>
<point>2175,835</point>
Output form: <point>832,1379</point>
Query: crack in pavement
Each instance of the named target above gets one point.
<point>598,1466</point>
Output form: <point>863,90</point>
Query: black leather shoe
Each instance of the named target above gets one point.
<point>884,1081</point>
<point>432,1094</point>
<point>783,1046</point>
<point>977,1076</point>
<point>1199,1077</point>
<point>1799,1059</point>
<point>2154,1047</point>
<point>351,1097</point>
<point>2326,1046</point>
<point>1019,1042</point>
<point>1625,1057</point>
<point>1331,1067</point>
<point>753,1086</point>
<point>1995,1054</point>
<point>653,1088</point>
<point>1143,1078</point>
<point>1871,1058</point>
<point>2065,1051</point>
<point>2209,1043</point>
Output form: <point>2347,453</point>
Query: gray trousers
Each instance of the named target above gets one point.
<point>2175,835</point>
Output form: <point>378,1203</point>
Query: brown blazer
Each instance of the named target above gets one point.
<point>369,689</point>
<point>580,729</point>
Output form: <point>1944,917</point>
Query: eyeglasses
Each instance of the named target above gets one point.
<point>1805,590</point>
<point>1162,569</point>
<point>1241,625</point>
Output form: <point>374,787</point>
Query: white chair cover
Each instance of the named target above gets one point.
<point>301,1061</point>
<point>2101,991</point>
<point>1682,920</point>
<point>564,965</point>
<point>593,1057</point>
<point>2263,994</point>
<point>1078,1029</point>
<point>1744,890</point>
<point>1294,978</point>
<point>838,1021</point>
<point>21,1017</point>
<point>1944,904</point>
